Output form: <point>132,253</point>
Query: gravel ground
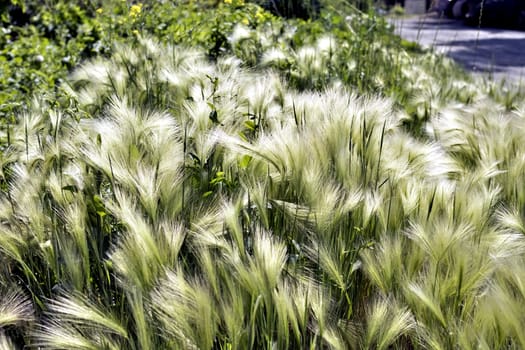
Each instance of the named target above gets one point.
<point>496,53</point>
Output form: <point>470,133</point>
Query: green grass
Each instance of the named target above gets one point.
<point>305,184</point>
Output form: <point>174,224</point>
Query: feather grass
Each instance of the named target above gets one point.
<point>15,308</point>
<point>207,206</point>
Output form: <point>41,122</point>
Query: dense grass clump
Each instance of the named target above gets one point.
<point>178,203</point>
<point>257,183</point>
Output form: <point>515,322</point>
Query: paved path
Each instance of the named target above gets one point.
<point>499,53</point>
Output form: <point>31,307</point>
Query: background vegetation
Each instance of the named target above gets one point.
<point>227,175</point>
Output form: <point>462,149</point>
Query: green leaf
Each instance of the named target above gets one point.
<point>243,137</point>
<point>250,124</point>
<point>245,161</point>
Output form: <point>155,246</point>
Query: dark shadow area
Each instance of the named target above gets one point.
<point>500,52</point>
<point>493,50</point>
<point>433,22</point>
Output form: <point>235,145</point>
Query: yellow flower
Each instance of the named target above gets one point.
<point>227,1</point>
<point>100,10</point>
<point>135,32</point>
<point>135,10</point>
<point>245,21</point>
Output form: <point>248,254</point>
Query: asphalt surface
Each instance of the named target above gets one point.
<point>495,53</point>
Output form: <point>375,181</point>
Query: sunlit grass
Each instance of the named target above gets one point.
<point>180,203</point>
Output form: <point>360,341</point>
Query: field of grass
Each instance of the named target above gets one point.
<point>209,175</point>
